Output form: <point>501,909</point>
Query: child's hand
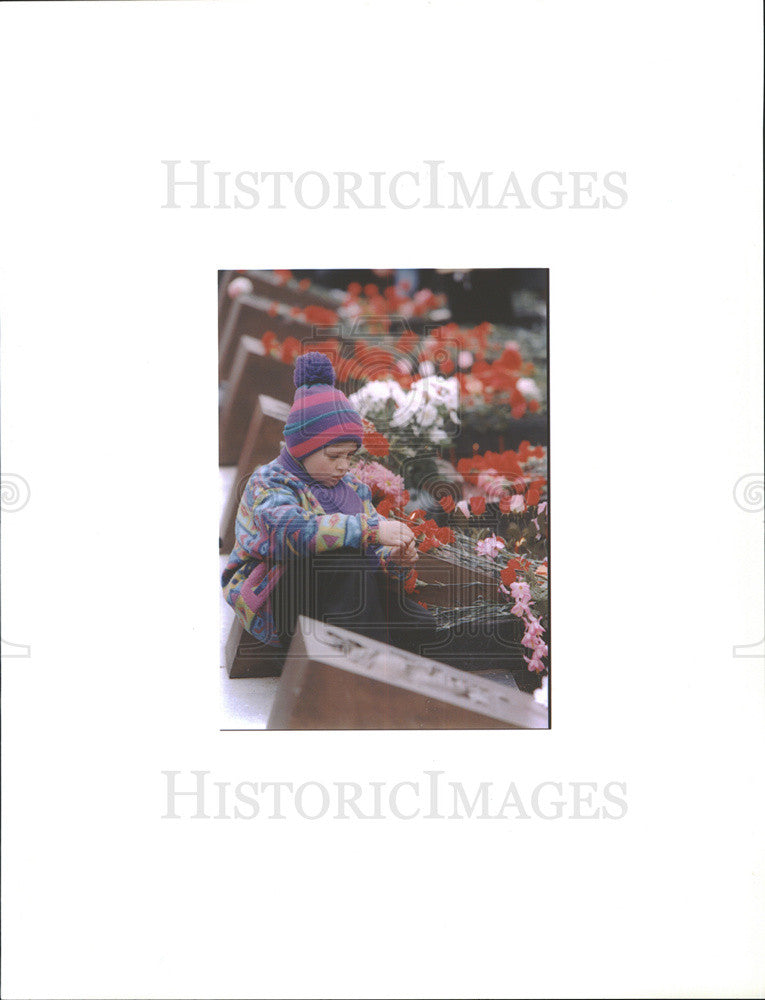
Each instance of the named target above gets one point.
<point>405,555</point>
<point>395,533</point>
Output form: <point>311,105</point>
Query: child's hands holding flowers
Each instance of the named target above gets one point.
<point>400,538</point>
<point>405,555</point>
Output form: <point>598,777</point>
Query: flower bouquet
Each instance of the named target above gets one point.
<point>412,422</point>
<point>494,554</point>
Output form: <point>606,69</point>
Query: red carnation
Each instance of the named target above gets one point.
<point>291,349</point>
<point>511,358</point>
<point>319,316</point>
<point>477,505</point>
<point>343,370</point>
<point>376,444</point>
<point>447,503</point>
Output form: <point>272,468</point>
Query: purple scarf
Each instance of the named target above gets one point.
<point>339,499</point>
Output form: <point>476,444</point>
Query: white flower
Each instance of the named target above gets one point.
<point>350,311</point>
<point>428,415</point>
<point>445,390</point>
<point>528,388</point>
<point>422,409</point>
<point>427,368</point>
<point>239,286</point>
<point>377,393</point>
<point>401,417</point>
<point>397,394</point>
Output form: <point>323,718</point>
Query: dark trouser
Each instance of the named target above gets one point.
<point>350,591</point>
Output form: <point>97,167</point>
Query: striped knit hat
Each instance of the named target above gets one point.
<point>321,414</point>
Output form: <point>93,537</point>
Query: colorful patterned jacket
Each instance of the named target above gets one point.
<point>278,520</point>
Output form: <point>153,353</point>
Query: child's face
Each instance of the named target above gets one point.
<point>330,464</point>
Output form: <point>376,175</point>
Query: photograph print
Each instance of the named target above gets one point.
<point>384,467</point>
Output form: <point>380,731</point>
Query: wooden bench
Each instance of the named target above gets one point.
<point>261,445</point>
<point>336,679</point>
<point>224,302</point>
<point>449,583</point>
<point>271,286</point>
<point>249,316</point>
<point>246,657</point>
<point>254,373</point>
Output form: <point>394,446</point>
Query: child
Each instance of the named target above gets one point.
<point>308,538</point>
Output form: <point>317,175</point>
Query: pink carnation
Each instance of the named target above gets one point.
<point>380,480</point>
<point>490,546</point>
<point>534,628</point>
<point>535,663</point>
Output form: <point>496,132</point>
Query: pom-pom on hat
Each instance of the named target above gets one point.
<point>321,415</point>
